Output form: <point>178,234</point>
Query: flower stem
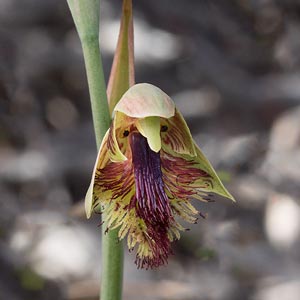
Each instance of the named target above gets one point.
<point>86,18</point>
<point>93,64</point>
<point>112,266</point>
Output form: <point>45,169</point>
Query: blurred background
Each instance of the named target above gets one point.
<point>233,68</point>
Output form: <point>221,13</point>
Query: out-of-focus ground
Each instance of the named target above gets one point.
<point>233,68</point>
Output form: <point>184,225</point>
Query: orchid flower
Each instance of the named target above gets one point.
<point>147,172</point>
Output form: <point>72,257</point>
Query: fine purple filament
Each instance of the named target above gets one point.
<point>151,201</point>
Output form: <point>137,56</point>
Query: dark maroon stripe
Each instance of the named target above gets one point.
<point>152,201</point>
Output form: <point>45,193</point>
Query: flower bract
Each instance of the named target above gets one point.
<point>147,172</point>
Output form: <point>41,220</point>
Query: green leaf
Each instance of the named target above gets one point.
<point>86,17</point>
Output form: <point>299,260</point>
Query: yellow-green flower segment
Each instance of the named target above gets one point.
<point>147,170</point>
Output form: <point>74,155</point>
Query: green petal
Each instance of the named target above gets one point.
<point>217,186</point>
<point>88,203</point>
<point>150,128</point>
<point>178,139</point>
<point>146,100</point>
<point>102,159</point>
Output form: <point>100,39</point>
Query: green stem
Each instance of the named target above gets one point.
<point>86,18</point>
<point>97,88</point>
<point>112,266</point>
